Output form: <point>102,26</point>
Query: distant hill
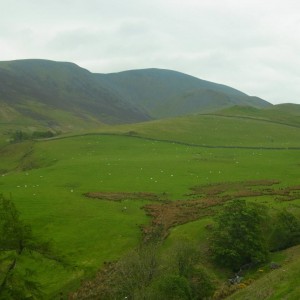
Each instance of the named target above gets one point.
<point>166,93</point>
<point>290,108</point>
<point>286,114</point>
<point>53,92</point>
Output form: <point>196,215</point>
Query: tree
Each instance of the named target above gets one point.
<point>239,236</point>
<point>135,272</point>
<point>16,241</point>
<point>286,232</point>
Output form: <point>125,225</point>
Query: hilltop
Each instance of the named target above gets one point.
<point>166,93</point>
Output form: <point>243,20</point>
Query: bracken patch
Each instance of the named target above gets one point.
<point>121,196</point>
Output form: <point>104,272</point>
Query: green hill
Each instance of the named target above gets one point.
<point>165,93</point>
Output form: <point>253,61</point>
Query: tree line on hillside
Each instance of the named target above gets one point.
<point>20,135</point>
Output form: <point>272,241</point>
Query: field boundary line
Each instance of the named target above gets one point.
<point>172,142</point>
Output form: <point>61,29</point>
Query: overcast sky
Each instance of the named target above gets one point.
<point>253,46</point>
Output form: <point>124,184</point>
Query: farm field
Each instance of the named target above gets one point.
<point>237,129</point>
<point>47,180</point>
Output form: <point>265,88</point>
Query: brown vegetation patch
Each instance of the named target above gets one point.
<point>256,188</point>
<point>168,215</point>
<point>120,196</point>
<point>226,187</point>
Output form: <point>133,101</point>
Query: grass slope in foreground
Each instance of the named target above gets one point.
<point>283,283</point>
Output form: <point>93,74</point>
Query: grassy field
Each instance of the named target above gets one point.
<point>231,130</point>
<point>47,180</point>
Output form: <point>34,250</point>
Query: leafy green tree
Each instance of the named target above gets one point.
<point>239,236</point>
<point>286,232</point>
<point>17,241</point>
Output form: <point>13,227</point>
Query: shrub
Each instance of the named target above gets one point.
<point>286,232</point>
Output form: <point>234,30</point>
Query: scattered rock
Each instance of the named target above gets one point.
<point>274,266</point>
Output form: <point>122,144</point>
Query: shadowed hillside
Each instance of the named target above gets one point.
<point>40,90</point>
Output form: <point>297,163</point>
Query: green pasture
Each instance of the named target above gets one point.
<point>47,179</point>
<point>218,130</point>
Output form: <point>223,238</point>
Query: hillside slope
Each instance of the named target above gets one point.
<point>40,90</point>
<point>165,93</point>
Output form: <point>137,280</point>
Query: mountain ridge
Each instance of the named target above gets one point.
<point>39,90</point>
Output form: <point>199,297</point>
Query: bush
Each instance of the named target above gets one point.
<point>171,287</point>
<point>201,284</point>
<point>42,134</point>
<point>286,232</point>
